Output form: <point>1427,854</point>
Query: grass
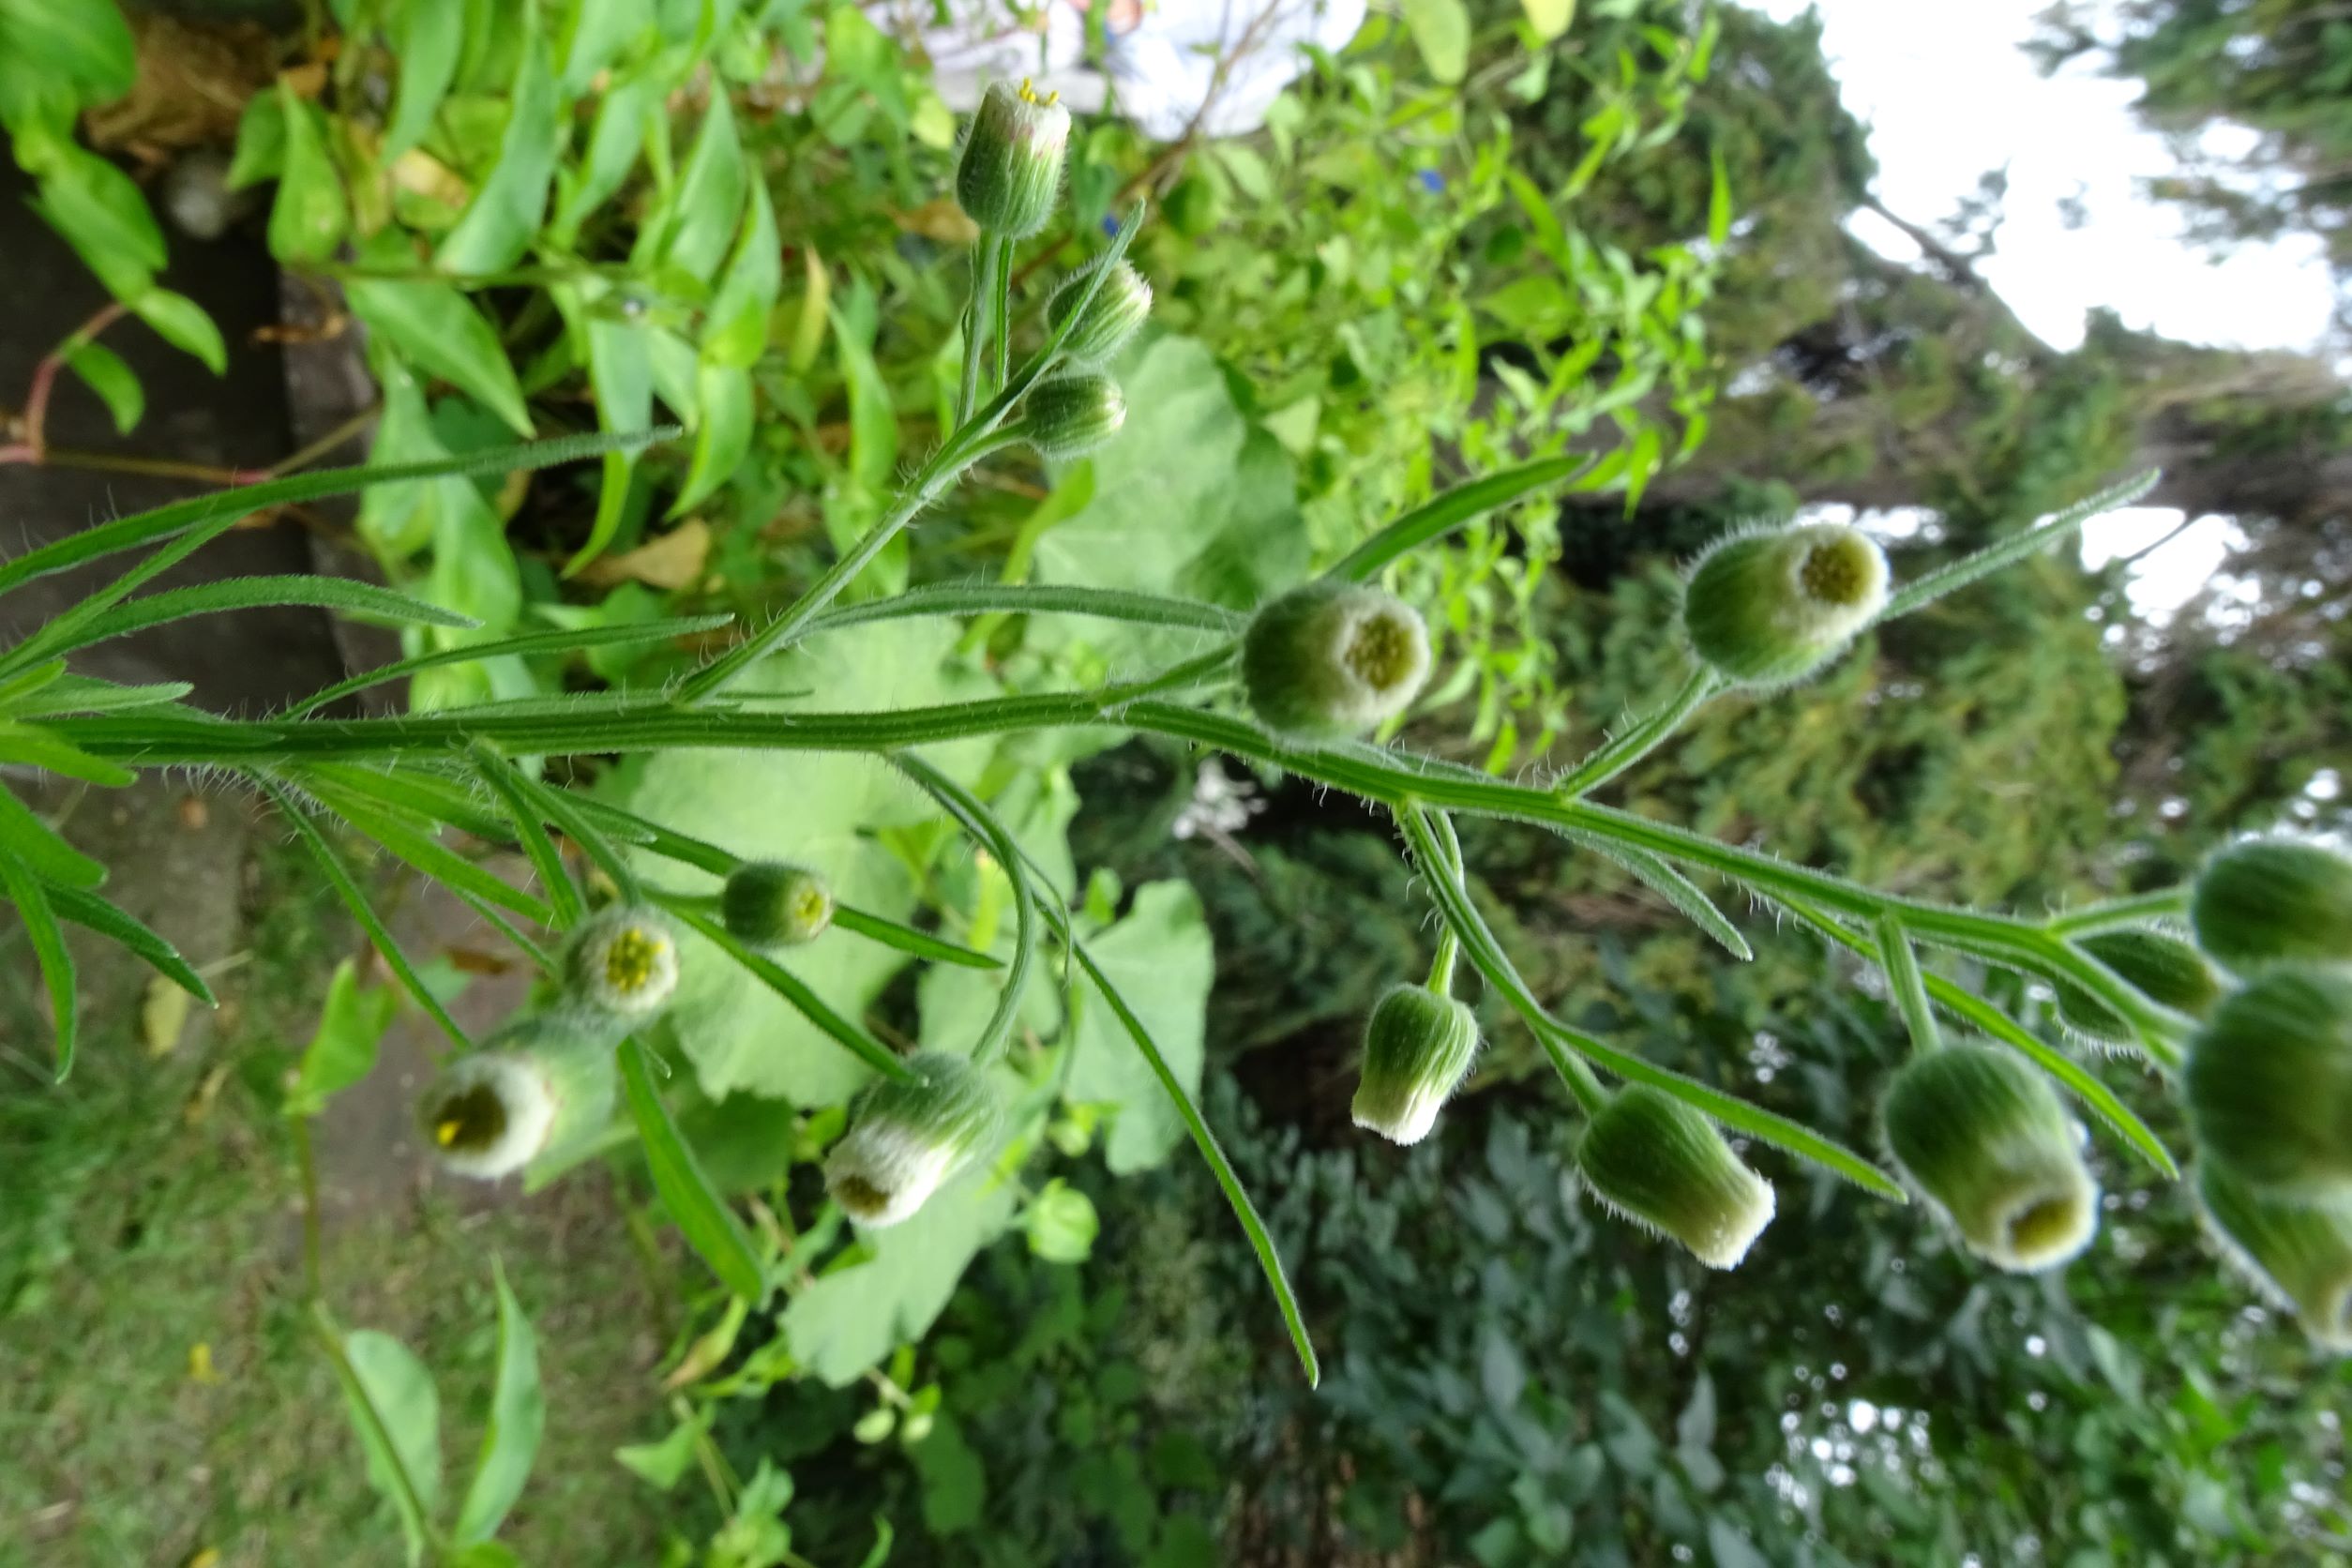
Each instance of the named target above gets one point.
<point>162,1400</point>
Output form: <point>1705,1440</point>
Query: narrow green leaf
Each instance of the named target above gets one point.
<point>906,938</point>
<point>85,694</point>
<point>261,149</point>
<point>518,1415</point>
<point>562,640</point>
<point>307,218</point>
<point>107,920</point>
<point>360,600</point>
<point>2017,546</point>
<point>721,436</point>
<point>707,1224</point>
<point>35,843</point>
<point>505,213</point>
<point>1675,888</point>
<point>989,831</point>
<point>437,329</point>
<point>1029,599</point>
<point>116,383</point>
<point>614,143</point>
<point>417,793</point>
<point>501,775</point>
<point>356,900</point>
<point>182,323</point>
<point>561,807</point>
<point>1456,507</point>
<point>426,38</point>
<point>710,195</point>
<point>784,982</point>
<point>34,747</point>
<point>49,949</point>
<point>424,853</point>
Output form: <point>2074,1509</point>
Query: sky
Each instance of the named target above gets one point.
<point>1948,94</point>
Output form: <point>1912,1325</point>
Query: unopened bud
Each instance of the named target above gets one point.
<point>1417,1050</point>
<point>1772,606</point>
<point>1010,169</point>
<point>538,1085</point>
<point>2158,965</point>
<point>2268,1084</point>
<point>1982,1135</point>
<point>1071,414</point>
<point>622,962</point>
<point>769,903</point>
<point>1650,1158</point>
<point>1332,659</point>
<point>1116,313</point>
<point>2263,901</point>
<point>2299,1253</point>
<point>906,1139</point>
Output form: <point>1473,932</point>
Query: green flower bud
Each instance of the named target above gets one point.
<point>1416,1053</point>
<point>538,1085</point>
<point>1010,168</point>
<point>906,1139</point>
<point>1650,1158</point>
<point>1771,607</point>
<point>624,962</point>
<point>1332,659</point>
<point>1982,1135</point>
<point>2274,901</point>
<point>2299,1253</point>
<point>1069,415</point>
<point>1118,312</point>
<point>2268,1084</point>
<point>2157,964</point>
<point>769,903</point>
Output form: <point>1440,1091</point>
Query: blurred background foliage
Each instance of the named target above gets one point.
<point>1469,238</point>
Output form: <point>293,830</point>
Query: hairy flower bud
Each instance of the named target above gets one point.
<point>2262,901</point>
<point>1650,1158</point>
<point>1117,312</point>
<point>1416,1053</point>
<point>769,903</point>
<point>623,962</point>
<point>1770,607</point>
<point>2300,1253</point>
<point>1070,415</point>
<point>2268,1084</point>
<point>2157,964</point>
<point>906,1139</point>
<point>538,1085</point>
<point>1331,659</point>
<point>1010,169</point>
<point>1982,1134</point>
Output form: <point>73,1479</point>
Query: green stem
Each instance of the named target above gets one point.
<point>976,324</point>
<point>2132,909</point>
<point>985,826</point>
<point>332,1343</point>
<point>1000,314</point>
<point>1442,967</point>
<point>306,1163</point>
<point>1902,977</point>
<point>1642,737</point>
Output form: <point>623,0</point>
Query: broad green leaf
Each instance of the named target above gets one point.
<point>261,150</point>
<point>505,213</point>
<point>738,1036</point>
<point>510,1440</point>
<point>723,435</point>
<point>595,33</point>
<point>33,910</point>
<point>399,518</point>
<point>427,37</point>
<point>342,1049</point>
<point>737,333</point>
<point>182,323</point>
<point>708,198</point>
<point>485,1554</point>
<point>852,1319</point>
<point>1160,958</point>
<point>436,328</point>
<point>708,1225</point>
<point>307,220</point>
<point>614,145</point>
<point>86,48</point>
<point>620,371</point>
<point>397,1414</point>
<point>1549,18</point>
<point>1441,31</point>
<point>664,1464</point>
<point>104,372</point>
<point>104,215</point>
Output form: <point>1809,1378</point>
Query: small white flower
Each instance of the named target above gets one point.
<point>624,961</point>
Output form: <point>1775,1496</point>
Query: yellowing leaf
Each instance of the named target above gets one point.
<point>162,1015</point>
<point>1549,18</point>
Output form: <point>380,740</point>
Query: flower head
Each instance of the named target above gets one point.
<point>2299,1253</point>
<point>2264,902</point>
<point>623,962</point>
<point>769,903</point>
<point>1772,606</point>
<point>2157,964</point>
<point>1329,660</point>
<point>1650,1158</point>
<point>1010,169</point>
<point>1981,1134</point>
<point>1116,313</point>
<point>1416,1053</point>
<point>906,1139</point>
<point>2268,1084</point>
<point>1071,413</point>
<point>538,1085</point>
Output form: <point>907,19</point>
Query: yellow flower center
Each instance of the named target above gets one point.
<point>1029,95</point>
<point>629,962</point>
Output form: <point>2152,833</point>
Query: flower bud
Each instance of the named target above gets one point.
<point>906,1139</point>
<point>1650,1158</point>
<point>769,903</point>
<point>1332,659</point>
<point>2300,1253</point>
<point>1010,169</point>
<point>2157,964</point>
<point>1416,1053</point>
<point>1771,607</point>
<point>1117,313</point>
<point>2268,1084</point>
<point>2274,901</point>
<point>1071,414</point>
<point>622,962</point>
<point>538,1085</point>
<point>1982,1134</point>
